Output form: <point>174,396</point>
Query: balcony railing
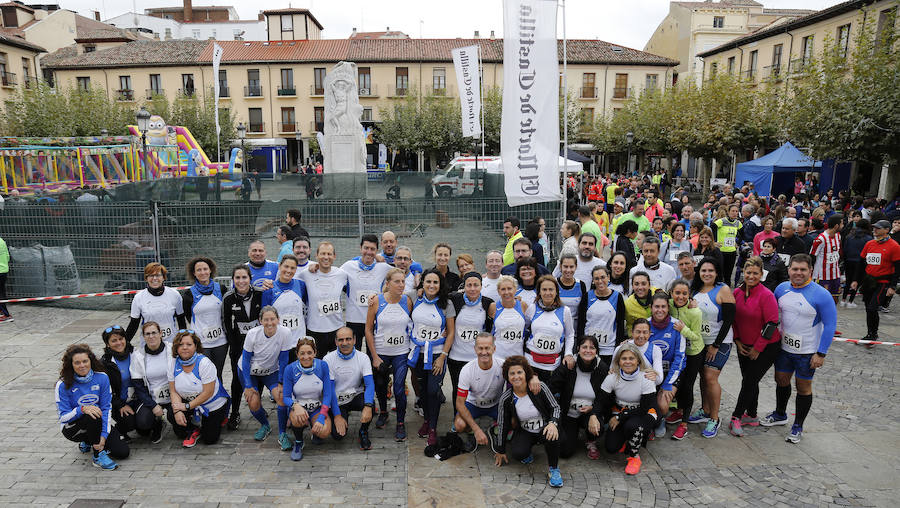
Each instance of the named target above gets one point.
<point>315,126</point>
<point>257,128</point>
<point>316,91</point>
<point>749,74</point>
<point>187,92</point>
<point>621,93</point>
<point>30,82</point>
<point>401,92</point>
<point>224,91</point>
<point>446,91</point>
<point>371,91</point>
<point>799,65</point>
<point>253,91</point>
<point>773,72</point>
<point>589,92</point>
<point>7,79</point>
<point>723,28</point>
<point>284,91</point>
<point>154,91</point>
<point>287,127</point>
<point>125,94</point>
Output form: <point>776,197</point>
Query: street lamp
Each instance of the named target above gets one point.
<point>142,118</point>
<point>241,132</point>
<point>629,138</point>
<point>299,136</point>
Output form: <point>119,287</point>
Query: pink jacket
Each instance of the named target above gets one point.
<point>753,311</point>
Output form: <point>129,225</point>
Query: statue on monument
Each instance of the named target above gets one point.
<point>344,149</point>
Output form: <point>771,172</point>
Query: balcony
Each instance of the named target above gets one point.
<point>287,91</point>
<point>224,92</point>
<point>187,92</point>
<point>621,93</point>
<point>799,66</point>
<point>287,127</point>
<point>125,95</point>
<point>371,91</point>
<point>588,92</point>
<point>253,91</point>
<point>773,72</point>
<point>256,128</point>
<point>400,92</point>
<point>316,91</point>
<point>315,126</point>
<point>722,29</point>
<point>749,75</point>
<point>7,79</point>
<point>30,82</point>
<point>446,91</point>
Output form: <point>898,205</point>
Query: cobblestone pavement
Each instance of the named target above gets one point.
<point>848,456</point>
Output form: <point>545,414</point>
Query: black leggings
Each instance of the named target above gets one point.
<point>235,350</point>
<point>522,441</point>
<point>853,273</point>
<point>3,310</point>
<point>685,393</point>
<point>454,366</point>
<point>359,331</point>
<point>631,432</point>
<point>218,355</point>
<point>569,434</point>
<point>752,372</point>
<point>210,425</point>
<point>324,342</point>
<point>728,261</point>
<point>874,296</point>
<point>143,420</point>
<point>87,430</point>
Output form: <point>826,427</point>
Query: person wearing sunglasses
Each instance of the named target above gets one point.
<point>158,303</point>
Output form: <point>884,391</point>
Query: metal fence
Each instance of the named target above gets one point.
<point>111,241</point>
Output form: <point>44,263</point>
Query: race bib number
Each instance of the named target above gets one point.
<point>330,307</point>
<point>246,327</point>
<point>161,394</point>
<point>213,333</point>
<point>785,258</point>
<point>546,343</point>
<point>833,257</point>
<point>533,425</point>
<point>261,371</point>
<point>577,404</point>
<point>705,328</point>
<point>729,242</point>
<point>345,398</point>
<point>698,259</point>
<point>468,335</point>
<point>511,336</point>
<point>428,333</point>
<point>486,402</point>
<point>395,339</point>
<point>791,341</point>
<point>290,321</point>
<point>873,258</point>
<point>166,334</point>
<point>310,405</point>
<point>602,337</point>
<point>673,255</point>
<point>188,398</point>
<point>361,298</point>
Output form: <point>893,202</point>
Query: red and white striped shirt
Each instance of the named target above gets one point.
<point>827,250</point>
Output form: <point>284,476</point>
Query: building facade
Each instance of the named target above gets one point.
<point>18,64</point>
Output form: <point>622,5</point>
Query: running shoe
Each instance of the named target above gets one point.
<point>633,465</point>
<point>157,431</point>
<point>432,437</point>
<point>6,319</point>
<point>103,461</point>
<point>749,421</point>
<point>593,452</point>
<point>297,452</point>
<point>852,305</point>
<point>263,432</point>
<point>191,440</point>
<point>84,447</point>
<point>400,434</point>
<point>773,419</point>
<point>882,309</point>
<point>736,429</point>
<point>699,416</point>
<point>711,429</point>
<point>382,419</point>
<point>316,440</point>
<point>364,442</point>
<point>680,432</point>
<point>795,435</point>
<point>843,303</point>
<point>423,430</point>
<point>234,421</point>
<point>528,460</point>
<point>555,476</point>
<point>418,408</point>
<point>285,442</point>
<point>675,416</point>
<point>661,428</point>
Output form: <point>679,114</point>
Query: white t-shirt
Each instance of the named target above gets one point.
<point>489,288</point>
<point>154,370</point>
<point>325,313</point>
<point>206,320</point>
<point>582,395</point>
<point>530,418</point>
<point>392,325</point>
<point>509,332</point>
<point>364,284</point>
<point>427,322</point>
<point>348,374</point>
<point>267,349</point>
<point>659,278</point>
<point>189,387</point>
<point>300,269</point>
<point>161,309</point>
<point>308,392</point>
<point>583,269</point>
<point>549,335</point>
<point>628,393</point>
<point>469,323</point>
<point>483,387</point>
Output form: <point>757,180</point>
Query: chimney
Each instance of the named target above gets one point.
<point>492,35</point>
<point>388,29</point>
<point>97,15</point>
<point>354,33</point>
<point>188,11</point>
<point>477,35</point>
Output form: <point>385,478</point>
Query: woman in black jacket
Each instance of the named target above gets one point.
<point>625,234</point>
<point>240,311</point>
<point>579,391</point>
<point>774,270</point>
<point>116,361</point>
<point>536,416</point>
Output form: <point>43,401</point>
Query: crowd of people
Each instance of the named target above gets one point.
<point>601,352</point>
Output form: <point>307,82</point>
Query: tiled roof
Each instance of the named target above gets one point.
<point>179,52</point>
<point>393,34</point>
<point>105,34</point>
<point>17,5</point>
<point>12,37</point>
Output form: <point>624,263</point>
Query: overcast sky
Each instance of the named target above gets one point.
<point>626,22</point>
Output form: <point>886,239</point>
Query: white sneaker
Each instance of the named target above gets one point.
<point>851,305</point>
<point>843,303</point>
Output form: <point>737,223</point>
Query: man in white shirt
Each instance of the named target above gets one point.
<point>587,247</point>
<point>493,264</point>
<point>661,274</point>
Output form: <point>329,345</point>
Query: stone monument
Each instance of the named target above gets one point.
<point>344,150</point>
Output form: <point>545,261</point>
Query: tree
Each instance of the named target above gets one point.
<point>199,117</point>
<point>41,110</point>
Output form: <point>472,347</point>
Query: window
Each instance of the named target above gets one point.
<point>713,70</point>
<point>187,84</point>
<point>718,21</point>
<point>254,87</point>
<point>287,23</point>
<point>731,65</point>
<point>195,34</point>
<point>886,18</point>
<point>620,91</point>
<point>213,33</point>
<point>843,40</point>
<point>806,50</point>
<point>319,119</point>
<point>6,78</point>
<point>26,72</point>
<point>223,84</point>
<point>256,120</point>
<point>365,80</point>
<point>237,32</point>
<point>651,81</point>
<point>776,59</point>
<point>402,80</point>
<point>754,61</point>
<point>156,84</point>
<point>366,115</point>
<point>168,33</point>
<point>125,91</point>
<point>90,48</point>
<point>287,83</point>
<point>589,85</point>
<point>319,81</point>
<point>288,121</point>
<point>84,83</point>
<point>439,80</point>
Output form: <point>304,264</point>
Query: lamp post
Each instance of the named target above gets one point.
<point>629,138</point>
<point>299,136</point>
<point>241,132</point>
<point>142,118</point>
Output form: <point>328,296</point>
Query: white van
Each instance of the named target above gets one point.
<point>461,178</point>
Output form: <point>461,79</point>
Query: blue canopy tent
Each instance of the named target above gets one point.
<point>775,171</point>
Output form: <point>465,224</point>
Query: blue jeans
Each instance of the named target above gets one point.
<point>397,365</point>
<point>431,401</point>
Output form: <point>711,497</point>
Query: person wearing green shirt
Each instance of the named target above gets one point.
<point>4,271</point>
<point>589,225</point>
<point>610,195</point>
<point>511,230</point>
<point>725,231</point>
<point>691,320</point>
<point>637,215</point>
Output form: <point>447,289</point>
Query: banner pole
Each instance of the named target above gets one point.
<point>565,83</point>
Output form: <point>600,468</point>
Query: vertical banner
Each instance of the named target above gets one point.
<point>529,133</point>
<point>217,57</point>
<point>468,78</point>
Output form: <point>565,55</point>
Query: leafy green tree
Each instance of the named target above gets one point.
<point>199,117</point>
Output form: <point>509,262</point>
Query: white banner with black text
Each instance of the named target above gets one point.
<point>467,76</point>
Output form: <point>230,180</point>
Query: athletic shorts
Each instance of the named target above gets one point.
<point>270,381</point>
<point>720,359</point>
<point>478,412</point>
<point>794,363</point>
<point>357,403</point>
<point>832,285</point>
